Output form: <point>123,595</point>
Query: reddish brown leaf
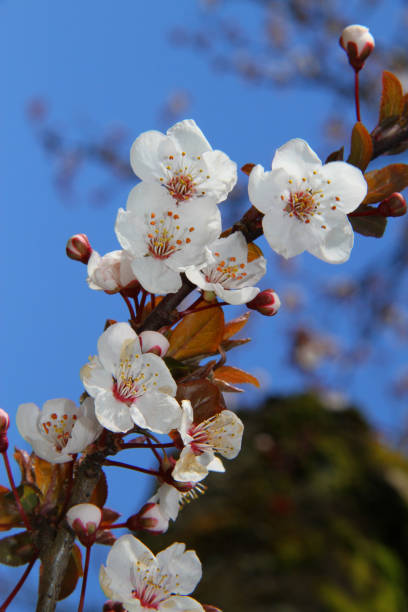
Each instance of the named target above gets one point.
<point>72,574</point>
<point>235,375</point>
<point>16,549</point>
<point>227,387</point>
<point>50,478</point>
<point>235,325</point>
<point>361,147</point>
<point>336,156</point>
<point>392,98</point>
<point>198,333</point>
<point>24,461</point>
<point>254,252</point>
<point>227,345</point>
<point>100,492</point>
<point>206,399</point>
<point>368,225</point>
<point>382,183</point>
<point>247,168</point>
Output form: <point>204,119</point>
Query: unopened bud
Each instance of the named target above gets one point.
<point>358,43</point>
<point>85,520</point>
<point>149,518</point>
<point>113,606</point>
<point>267,302</point>
<point>154,342</point>
<point>393,206</point>
<point>79,248</point>
<point>4,425</point>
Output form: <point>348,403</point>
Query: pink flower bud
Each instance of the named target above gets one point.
<point>267,302</point>
<point>154,342</point>
<point>84,519</point>
<point>79,248</point>
<point>113,606</point>
<point>150,519</point>
<point>358,43</point>
<point>393,206</point>
<point>4,425</point>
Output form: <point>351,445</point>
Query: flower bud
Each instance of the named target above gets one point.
<point>85,520</point>
<point>149,518</point>
<point>4,425</point>
<point>358,43</point>
<point>79,248</point>
<point>393,206</point>
<point>267,302</point>
<point>113,606</point>
<point>154,342</point>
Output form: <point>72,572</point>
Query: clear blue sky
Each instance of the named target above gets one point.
<point>99,63</point>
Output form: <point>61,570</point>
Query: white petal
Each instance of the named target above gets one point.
<point>223,174</point>
<point>189,137</point>
<point>296,157</point>
<point>336,247</point>
<point>265,188</point>
<point>160,411</point>
<point>284,234</point>
<point>95,378</point>
<point>144,155</point>
<point>216,465</point>
<point>184,567</point>
<point>168,498</point>
<point>347,183</point>
<point>155,275</point>
<point>179,603</point>
<point>27,421</point>
<point>188,468</point>
<point>236,296</point>
<point>186,420</point>
<point>110,345</point>
<point>226,434</point>
<point>197,278</point>
<point>112,414</point>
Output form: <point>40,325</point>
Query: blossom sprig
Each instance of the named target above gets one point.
<point>130,387</point>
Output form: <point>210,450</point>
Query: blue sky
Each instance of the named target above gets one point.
<point>98,64</point>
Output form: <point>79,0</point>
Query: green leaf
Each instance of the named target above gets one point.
<point>382,183</point>
<point>361,149</point>
<point>373,225</point>
<point>392,98</point>
<point>16,549</point>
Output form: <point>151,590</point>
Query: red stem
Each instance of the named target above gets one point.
<point>15,493</point>
<point>357,94</point>
<point>84,579</point>
<point>153,300</point>
<point>129,305</point>
<point>110,526</point>
<point>18,586</point>
<point>131,467</point>
<point>141,305</point>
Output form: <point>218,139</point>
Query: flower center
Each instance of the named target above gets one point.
<point>147,596</point>
<point>181,187</point>
<point>132,381</point>
<point>166,236</point>
<point>301,205</point>
<point>223,272</point>
<point>200,437</point>
<point>58,430</point>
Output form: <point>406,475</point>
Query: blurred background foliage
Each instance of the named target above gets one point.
<point>311,517</point>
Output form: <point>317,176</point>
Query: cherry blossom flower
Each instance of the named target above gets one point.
<point>162,239</point>
<point>141,581</point>
<point>110,273</point>
<point>170,498</point>
<point>85,520</point>
<point>306,203</point>
<point>231,275</point>
<point>358,43</point>
<point>60,430</point>
<point>154,342</point>
<point>222,433</point>
<point>130,387</point>
<point>183,163</point>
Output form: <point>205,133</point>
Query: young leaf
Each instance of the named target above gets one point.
<point>235,375</point>
<point>247,168</point>
<point>369,225</point>
<point>235,325</point>
<point>361,149</point>
<point>335,156</point>
<point>72,574</point>
<point>205,398</point>
<point>254,252</point>
<point>392,98</point>
<point>16,549</point>
<point>198,333</point>
<point>382,183</point>
<point>227,345</point>
<point>100,492</point>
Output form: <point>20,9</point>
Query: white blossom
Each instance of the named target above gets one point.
<point>222,433</point>
<point>130,387</point>
<point>142,581</point>
<point>110,273</point>
<point>359,36</point>
<point>306,203</point>
<point>60,429</point>
<point>183,163</point>
<point>231,276</point>
<point>163,239</point>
